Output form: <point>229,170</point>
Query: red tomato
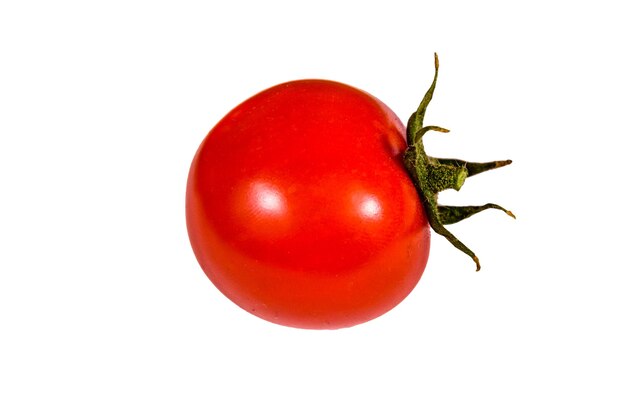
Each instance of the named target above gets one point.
<point>299,208</point>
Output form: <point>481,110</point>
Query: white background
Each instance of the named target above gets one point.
<point>105,312</point>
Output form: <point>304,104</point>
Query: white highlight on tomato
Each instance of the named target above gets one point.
<point>370,207</point>
<point>268,198</point>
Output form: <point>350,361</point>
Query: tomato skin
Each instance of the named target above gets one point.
<point>299,208</point>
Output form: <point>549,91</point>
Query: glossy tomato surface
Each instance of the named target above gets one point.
<point>299,208</point>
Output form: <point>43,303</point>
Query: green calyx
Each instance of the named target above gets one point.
<point>433,175</point>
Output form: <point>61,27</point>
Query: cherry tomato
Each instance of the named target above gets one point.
<point>299,208</point>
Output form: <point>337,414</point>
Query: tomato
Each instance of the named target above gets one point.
<point>299,208</point>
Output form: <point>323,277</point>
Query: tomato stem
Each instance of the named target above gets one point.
<point>432,175</point>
